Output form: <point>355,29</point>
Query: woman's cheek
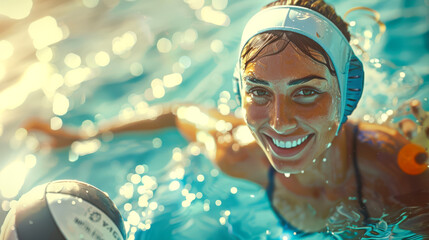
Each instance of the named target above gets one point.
<point>320,112</point>
<point>254,114</point>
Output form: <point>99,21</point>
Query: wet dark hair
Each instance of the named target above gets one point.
<point>251,52</point>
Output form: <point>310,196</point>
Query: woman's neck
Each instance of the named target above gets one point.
<point>329,171</point>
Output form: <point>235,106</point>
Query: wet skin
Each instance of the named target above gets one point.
<point>286,97</point>
<point>307,200</point>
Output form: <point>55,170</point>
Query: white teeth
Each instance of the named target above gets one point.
<point>304,138</point>
<point>289,144</point>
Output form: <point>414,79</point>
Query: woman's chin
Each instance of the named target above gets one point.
<point>289,171</point>
<point>287,167</point>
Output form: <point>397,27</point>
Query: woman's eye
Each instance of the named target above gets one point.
<point>258,92</point>
<point>259,95</point>
<point>307,92</point>
<point>306,96</point>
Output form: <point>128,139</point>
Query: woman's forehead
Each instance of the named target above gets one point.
<point>289,62</point>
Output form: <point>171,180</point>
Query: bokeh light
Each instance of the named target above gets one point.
<point>44,32</point>
<point>164,45</point>
<point>16,9</point>
<point>84,65</point>
<point>102,58</point>
<point>6,49</point>
<point>90,3</point>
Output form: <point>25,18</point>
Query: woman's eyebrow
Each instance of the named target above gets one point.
<point>305,79</point>
<point>256,81</point>
<point>291,83</point>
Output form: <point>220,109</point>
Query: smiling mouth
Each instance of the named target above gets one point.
<point>290,148</point>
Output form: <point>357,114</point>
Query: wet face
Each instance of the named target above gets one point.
<point>291,104</point>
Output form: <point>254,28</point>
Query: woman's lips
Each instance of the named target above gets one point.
<point>285,148</point>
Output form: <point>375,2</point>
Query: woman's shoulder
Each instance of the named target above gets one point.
<point>376,141</point>
<point>378,148</point>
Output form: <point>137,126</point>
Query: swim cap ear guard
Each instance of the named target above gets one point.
<point>304,21</point>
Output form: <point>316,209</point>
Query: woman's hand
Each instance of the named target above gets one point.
<point>58,138</point>
<point>417,133</point>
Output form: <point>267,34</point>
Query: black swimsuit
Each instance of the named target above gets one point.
<point>363,209</point>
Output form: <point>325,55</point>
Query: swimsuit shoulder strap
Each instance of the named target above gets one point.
<point>270,193</point>
<point>363,210</point>
<point>270,187</point>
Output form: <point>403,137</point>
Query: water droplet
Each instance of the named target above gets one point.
<point>324,160</point>
<point>157,142</point>
<point>328,145</point>
<point>140,169</point>
<point>153,205</point>
<point>187,202</point>
<point>214,172</point>
<point>200,178</point>
<point>222,220</point>
<point>206,207</point>
<point>59,201</point>
<point>128,207</point>
<point>287,175</point>
<point>30,222</point>
<point>161,208</point>
<point>314,160</point>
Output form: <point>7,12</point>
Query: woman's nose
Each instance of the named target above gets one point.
<point>282,119</point>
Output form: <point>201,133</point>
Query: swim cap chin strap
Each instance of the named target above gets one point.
<point>317,27</point>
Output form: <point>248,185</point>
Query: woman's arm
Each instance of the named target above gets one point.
<point>165,119</point>
<point>399,190</point>
<point>226,138</point>
<point>189,119</point>
<point>65,137</point>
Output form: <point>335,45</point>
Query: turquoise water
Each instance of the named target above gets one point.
<point>163,185</point>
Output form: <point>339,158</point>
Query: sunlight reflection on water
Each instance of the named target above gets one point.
<point>119,59</point>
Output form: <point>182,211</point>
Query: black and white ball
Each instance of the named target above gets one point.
<point>65,209</point>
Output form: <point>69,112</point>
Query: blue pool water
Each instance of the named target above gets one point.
<point>164,187</point>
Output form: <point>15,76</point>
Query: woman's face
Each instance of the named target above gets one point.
<point>291,105</point>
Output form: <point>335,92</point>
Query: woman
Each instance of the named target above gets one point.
<point>299,82</point>
<point>319,169</point>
